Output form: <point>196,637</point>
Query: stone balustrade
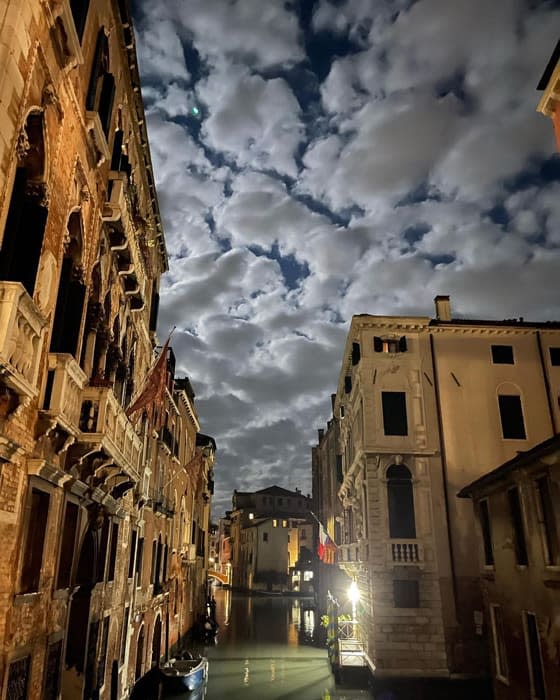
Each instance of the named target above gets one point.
<point>21,330</point>
<point>63,396</point>
<point>405,552</point>
<point>103,420</point>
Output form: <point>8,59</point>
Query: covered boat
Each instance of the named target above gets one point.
<point>185,674</point>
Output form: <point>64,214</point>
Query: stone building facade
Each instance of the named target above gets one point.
<point>549,85</point>
<point>425,406</point>
<point>268,529</point>
<point>519,565</point>
<point>102,516</point>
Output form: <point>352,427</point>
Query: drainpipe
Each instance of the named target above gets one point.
<point>547,386</point>
<point>444,474</point>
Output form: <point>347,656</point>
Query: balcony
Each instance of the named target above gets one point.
<point>63,394</point>
<point>405,552</point>
<point>162,505</point>
<point>21,330</point>
<point>103,421</point>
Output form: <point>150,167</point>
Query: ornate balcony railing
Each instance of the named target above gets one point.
<point>21,330</point>
<point>63,394</point>
<point>104,421</point>
<point>405,552</point>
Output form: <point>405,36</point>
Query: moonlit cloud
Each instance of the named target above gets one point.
<point>316,160</point>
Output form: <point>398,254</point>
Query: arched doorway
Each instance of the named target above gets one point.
<point>156,643</point>
<point>139,653</point>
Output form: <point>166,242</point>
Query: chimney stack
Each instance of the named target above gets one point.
<point>443,308</point>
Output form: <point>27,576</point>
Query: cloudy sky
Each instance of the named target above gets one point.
<point>321,158</point>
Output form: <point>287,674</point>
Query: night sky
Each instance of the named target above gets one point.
<point>321,158</point>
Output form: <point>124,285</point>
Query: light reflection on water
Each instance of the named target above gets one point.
<point>269,648</point>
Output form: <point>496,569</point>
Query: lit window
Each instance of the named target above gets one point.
<point>284,523</point>
<point>307,575</point>
<point>275,523</point>
<point>251,516</point>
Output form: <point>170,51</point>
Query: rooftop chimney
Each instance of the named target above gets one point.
<point>443,308</point>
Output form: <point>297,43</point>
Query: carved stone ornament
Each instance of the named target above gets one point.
<point>38,191</point>
<point>22,146</point>
<point>50,98</point>
<point>45,293</point>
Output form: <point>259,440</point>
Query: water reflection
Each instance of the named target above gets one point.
<point>269,648</point>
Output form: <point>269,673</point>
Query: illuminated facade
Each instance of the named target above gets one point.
<point>549,84</point>
<point>425,406</point>
<point>102,518</point>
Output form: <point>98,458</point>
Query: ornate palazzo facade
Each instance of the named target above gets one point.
<point>103,519</point>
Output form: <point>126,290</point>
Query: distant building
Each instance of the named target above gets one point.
<point>519,565</point>
<point>423,407</point>
<point>268,529</point>
<point>549,84</point>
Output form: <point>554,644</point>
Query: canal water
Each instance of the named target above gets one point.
<point>270,648</point>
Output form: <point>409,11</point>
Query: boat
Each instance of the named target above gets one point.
<point>184,674</point>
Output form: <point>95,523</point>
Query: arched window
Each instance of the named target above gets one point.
<point>22,241</point>
<point>402,523</point>
<point>71,293</point>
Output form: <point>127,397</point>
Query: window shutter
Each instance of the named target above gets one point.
<point>402,344</point>
<point>377,344</point>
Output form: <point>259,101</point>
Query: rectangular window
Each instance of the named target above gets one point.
<point>519,540</point>
<point>124,634</point>
<point>34,541</point>
<point>66,556</point>
<point>103,653</point>
<point>113,551</point>
<point>18,679</point>
<point>394,412</point>
<point>486,533</point>
<point>406,594</point>
<point>502,354</point>
<point>500,654</point>
<point>275,523</point>
<point>51,683</point>
<point>265,536</point>
<point>139,559</point>
<point>132,553</point>
<point>547,519</point>
<point>511,415</point>
<point>554,356</point>
<point>284,523</point>
<point>534,657</point>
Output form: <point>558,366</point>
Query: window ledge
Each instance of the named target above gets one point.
<point>502,679</point>
<point>26,598</point>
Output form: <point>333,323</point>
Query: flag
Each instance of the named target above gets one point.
<point>327,548</point>
<point>151,396</point>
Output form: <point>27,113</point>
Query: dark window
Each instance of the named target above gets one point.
<point>406,594</point>
<point>534,657</point>
<point>394,413</point>
<point>400,497</point>
<point>548,520</point>
<point>500,654</point>
<point>67,545</point>
<point>511,415</point>
<point>339,474</point>
<point>377,344</point>
<point>51,685</point>
<point>518,528</point>
<point>356,355</point>
<point>103,546</point>
<point>502,354</point>
<point>79,9</point>
<point>486,533</point>
<point>402,344</point>
<point>139,559</point>
<point>554,356</point>
<point>154,562</point>
<point>132,553</point>
<point>18,677</point>
<point>113,551</point>
<point>265,536</point>
<point>347,385</point>
<point>124,634</point>
<point>103,652</point>
<point>34,541</point>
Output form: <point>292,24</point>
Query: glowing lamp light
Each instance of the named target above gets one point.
<point>195,111</point>
<point>353,593</point>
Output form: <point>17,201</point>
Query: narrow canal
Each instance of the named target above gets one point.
<point>267,650</point>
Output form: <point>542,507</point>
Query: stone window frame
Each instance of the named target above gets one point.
<point>501,664</point>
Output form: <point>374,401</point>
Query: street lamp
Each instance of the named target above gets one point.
<point>354,597</point>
